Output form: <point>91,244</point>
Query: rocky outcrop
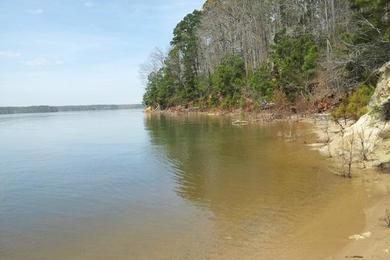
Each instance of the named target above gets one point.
<point>381,96</point>
<point>368,139</point>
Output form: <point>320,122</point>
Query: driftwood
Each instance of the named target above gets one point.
<point>240,122</point>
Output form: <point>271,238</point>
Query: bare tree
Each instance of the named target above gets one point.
<point>350,155</point>
<point>248,28</point>
<point>154,63</point>
<point>364,145</point>
<point>326,131</point>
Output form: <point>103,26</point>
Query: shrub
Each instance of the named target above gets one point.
<point>228,78</point>
<point>355,105</point>
<point>295,58</point>
<point>261,83</point>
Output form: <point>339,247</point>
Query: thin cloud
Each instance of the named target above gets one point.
<point>9,54</point>
<point>37,11</point>
<point>36,62</point>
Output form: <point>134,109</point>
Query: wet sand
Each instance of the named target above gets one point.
<point>373,241</point>
<point>377,245</point>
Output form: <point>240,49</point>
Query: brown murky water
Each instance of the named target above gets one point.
<point>122,185</point>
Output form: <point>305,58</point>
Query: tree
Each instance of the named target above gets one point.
<point>238,51</point>
<point>369,41</point>
<point>262,84</point>
<point>228,79</point>
<point>295,59</point>
<point>153,64</point>
<point>184,46</point>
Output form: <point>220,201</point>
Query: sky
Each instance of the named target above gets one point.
<point>78,52</point>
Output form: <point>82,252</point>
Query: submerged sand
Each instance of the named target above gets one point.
<point>373,241</point>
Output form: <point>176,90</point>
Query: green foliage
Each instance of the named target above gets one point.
<point>151,93</point>
<point>175,83</point>
<point>295,59</point>
<point>355,105</point>
<point>228,78</point>
<point>230,85</point>
<point>284,75</point>
<point>376,111</point>
<point>185,44</point>
<point>310,60</point>
<point>382,111</point>
<point>261,83</point>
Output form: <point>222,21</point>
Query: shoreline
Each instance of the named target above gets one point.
<point>324,128</point>
<point>373,242</point>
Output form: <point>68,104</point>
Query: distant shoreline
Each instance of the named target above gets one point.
<point>55,109</point>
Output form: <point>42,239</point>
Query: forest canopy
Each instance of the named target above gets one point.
<point>310,54</point>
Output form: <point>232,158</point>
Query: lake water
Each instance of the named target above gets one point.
<point>124,185</point>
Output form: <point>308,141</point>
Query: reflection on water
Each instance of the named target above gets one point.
<point>260,183</point>
<point>123,185</point>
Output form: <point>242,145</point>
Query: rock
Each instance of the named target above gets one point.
<point>382,156</point>
<point>240,122</point>
<point>323,139</point>
<point>148,110</point>
<point>385,134</point>
<point>356,237</point>
<point>361,236</point>
<point>365,132</point>
<point>370,134</point>
<point>381,97</point>
<point>384,166</point>
<point>382,92</point>
<point>315,145</point>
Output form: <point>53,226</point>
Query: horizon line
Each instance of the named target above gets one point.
<point>132,104</point>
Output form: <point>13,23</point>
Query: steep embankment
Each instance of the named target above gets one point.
<point>366,141</point>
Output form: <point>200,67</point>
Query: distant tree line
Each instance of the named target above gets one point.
<point>52,109</point>
<point>248,53</point>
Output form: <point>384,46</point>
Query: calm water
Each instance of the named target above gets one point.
<point>122,185</point>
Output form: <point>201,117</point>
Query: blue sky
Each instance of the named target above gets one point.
<point>81,51</point>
